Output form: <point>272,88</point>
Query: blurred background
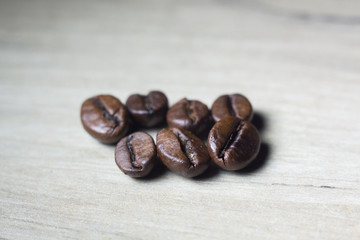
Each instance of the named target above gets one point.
<point>160,42</point>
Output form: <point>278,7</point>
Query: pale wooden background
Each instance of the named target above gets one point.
<point>298,62</point>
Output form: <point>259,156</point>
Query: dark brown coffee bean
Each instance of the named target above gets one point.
<point>232,105</point>
<point>190,115</point>
<point>105,118</point>
<point>149,110</point>
<point>182,152</point>
<point>135,154</point>
<point>233,143</point>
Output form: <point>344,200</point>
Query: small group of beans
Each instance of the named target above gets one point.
<point>232,143</point>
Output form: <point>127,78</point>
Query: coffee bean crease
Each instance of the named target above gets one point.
<point>189,110</point>
<point>131,152</point>
<point>230,141</point>
<point>105,112</point>
<point>230,106</point>
<point>148,104</point>
<point>186,148</point>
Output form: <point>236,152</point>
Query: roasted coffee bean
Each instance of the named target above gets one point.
<point>135,154</point>
<point>149,110</point>
<point>232,105</point>
<point>105,118</point>
<point>233,143</point>
<point>190,115</point>
<point>182,152</point>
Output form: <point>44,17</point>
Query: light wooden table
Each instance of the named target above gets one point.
<point>299,64</point>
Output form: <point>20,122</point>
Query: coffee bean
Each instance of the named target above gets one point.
<point>182,152</point>
<point>149,110</point>
<point>105,118</point>
<point>135,154</point>
<point>190,115</point>
<point>233,143</point>
<point>232,105</point>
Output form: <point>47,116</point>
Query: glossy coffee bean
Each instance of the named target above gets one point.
<point>105,118</point>
<point>149,110</point>
<point>182,152</point>
<point>232,105</point>
<point>233,143</point>
<point>190,115</point>
<point>135,154</point>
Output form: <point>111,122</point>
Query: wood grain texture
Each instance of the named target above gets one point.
<point>298,63</point>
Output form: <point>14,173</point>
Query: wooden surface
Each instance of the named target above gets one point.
<point>298,62</point>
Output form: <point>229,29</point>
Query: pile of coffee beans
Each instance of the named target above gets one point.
<point>232,141</point>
